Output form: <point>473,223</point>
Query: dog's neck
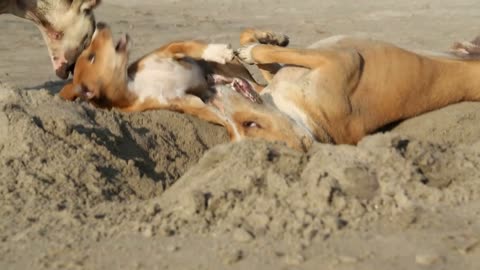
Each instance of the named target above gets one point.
<point>118,95</point>
<point>31,10</point>
<point>17,7</point>
<point>310,130</point>
<point>8,6</point>
<point>125,98</point>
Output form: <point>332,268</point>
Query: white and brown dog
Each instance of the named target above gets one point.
<point>337,91</point>
<point>66,26</point>
<point>180,76</point>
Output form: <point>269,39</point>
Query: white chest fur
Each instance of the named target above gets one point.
<point>164,79</point>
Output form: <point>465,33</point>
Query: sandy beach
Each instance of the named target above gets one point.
<point>84,188</point>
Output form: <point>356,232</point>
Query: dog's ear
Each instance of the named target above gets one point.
<point>69,92</point>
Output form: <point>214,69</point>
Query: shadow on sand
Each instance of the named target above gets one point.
<point>51,86</point>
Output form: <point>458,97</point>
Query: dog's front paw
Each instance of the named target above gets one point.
<point>245,53</point>
<point>219,53</point>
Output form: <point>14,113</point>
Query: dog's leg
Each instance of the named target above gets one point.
<point>193,105</point>
<point>309,58</point>
<point>254,36</point>
<point>251,35</point>
<point>218,53</point>
<point>188,104</point>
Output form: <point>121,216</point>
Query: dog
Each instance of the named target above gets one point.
<point>344,88</point>
<point>336,91</point>
<point>66,26</point>
<point>179,76</point>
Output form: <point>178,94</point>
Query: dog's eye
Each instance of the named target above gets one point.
<point>251,124</point>
<point>91,58</point>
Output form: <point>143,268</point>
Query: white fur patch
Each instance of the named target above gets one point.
<point>165,79</point>
<point>219,53</point>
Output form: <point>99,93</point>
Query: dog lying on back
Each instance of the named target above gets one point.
<point>66,26</point>
<point>337,91</point>
<point>180,76</point>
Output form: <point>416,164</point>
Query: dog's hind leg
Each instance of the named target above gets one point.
<point>251,36</point>
<point>345,64</point>
<point>309,58</point>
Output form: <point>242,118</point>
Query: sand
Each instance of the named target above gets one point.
<point>83,188</point>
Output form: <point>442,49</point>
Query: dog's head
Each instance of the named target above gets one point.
<point>66,26</point>
<point>101,70</point>
<point>250,115</point>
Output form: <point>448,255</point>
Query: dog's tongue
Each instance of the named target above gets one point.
<point>245,89</point>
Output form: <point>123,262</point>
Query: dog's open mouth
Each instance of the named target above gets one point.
<point>240,86</point>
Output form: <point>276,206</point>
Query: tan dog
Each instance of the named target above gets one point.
<point>343,88</point>
<point>180,76</point>
<point>66,25</point>
<point>337,91</point>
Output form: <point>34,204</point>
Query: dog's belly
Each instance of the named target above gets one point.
<point>164,79</point>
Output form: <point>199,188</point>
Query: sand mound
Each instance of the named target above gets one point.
<point>73,175</point>
<point>62,157</point>
<point>269,189</point>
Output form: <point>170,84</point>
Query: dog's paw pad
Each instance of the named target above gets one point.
<point>245,53</point>
<point>274,39</point>
<point>219,53</point>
